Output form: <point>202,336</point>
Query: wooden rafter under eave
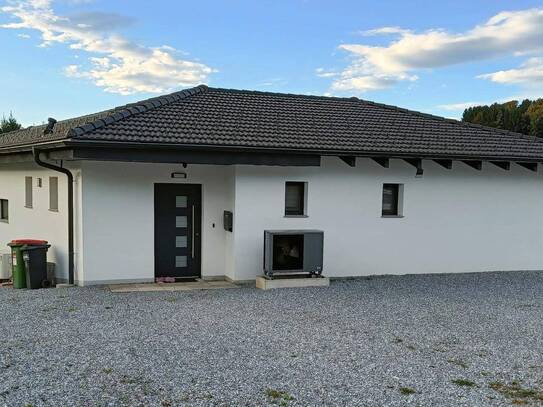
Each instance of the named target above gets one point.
<point>382,161</point>
<point>444,163</point>
<point>349,160</point>
<point>475,164</point>
<point>415,162</point>
<point>504,165</point>
<point>528,166</point>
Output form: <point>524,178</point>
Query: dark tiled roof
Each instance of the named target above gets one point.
<point>71,128</point>
<point>237,118</point>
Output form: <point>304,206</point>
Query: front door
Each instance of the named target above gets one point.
<point>178,214</point>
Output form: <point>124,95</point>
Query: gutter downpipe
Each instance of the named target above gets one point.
<point>36,154</point>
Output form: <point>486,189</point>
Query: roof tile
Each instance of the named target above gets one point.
<point>226,117</point>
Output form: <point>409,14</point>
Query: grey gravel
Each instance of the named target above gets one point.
<point>356,343</point>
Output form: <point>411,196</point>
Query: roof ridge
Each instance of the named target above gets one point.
<point>264,92</point>
<point>390,107</point>
<point>122,112</point>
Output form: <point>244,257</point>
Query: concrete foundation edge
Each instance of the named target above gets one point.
<point>265,284</point>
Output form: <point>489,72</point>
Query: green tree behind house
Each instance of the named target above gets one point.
<point>9,124</point>
<point>525,117</point>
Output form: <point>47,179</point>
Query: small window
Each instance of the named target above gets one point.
<point>53,194</point>
<point>392,200</point>
<point>4,212</point>
<point>295,199</point>
<point>28,192</point>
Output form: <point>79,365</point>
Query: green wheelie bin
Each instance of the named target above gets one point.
<point>18,263</point>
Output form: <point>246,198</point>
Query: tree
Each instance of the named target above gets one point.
<point>9,124</point>
<point>525,117</point>
<point>537,127</point>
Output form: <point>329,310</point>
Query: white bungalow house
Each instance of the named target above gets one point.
<point>140,191</point>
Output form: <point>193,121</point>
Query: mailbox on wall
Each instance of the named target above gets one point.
<point>228,221</point>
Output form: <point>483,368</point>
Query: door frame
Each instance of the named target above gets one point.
<point>198,248</point>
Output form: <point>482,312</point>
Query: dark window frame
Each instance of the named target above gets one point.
<point>391,196</point>
<point>4,210</point>
<point>299,209</point>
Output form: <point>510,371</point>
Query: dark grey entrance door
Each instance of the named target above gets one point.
<point>178,215</point>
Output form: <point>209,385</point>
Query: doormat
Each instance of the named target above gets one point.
<point>166,280</point>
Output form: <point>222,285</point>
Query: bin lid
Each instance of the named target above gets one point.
<point>28,242</point>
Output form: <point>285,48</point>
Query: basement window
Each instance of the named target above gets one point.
<point>392,205</point>
<point>4,212</point>
<point>53,194</point>
<point>28,192</point>
<point>295,199</point>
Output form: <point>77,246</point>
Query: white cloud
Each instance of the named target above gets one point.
<point>365,82</point>
<point>72,71</point>
<point>385,31</point>
<point>323,73</point>
<point>115,63</point>
<point>99,21</point>
<point>77,2</point>
<point>273,82</point>
<point>376,67</point>
<point>530,73</point>
<point>456,107</point>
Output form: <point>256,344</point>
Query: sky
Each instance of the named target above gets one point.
<point>68,58</point>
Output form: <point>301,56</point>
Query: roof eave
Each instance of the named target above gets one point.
<point>25,147</point>
<point>308,151</point>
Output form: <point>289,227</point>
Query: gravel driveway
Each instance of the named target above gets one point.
<point>434,340</point>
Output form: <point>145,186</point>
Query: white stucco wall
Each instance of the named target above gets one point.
<point>38,222</point>
<point>230,261</point>
<point>118,218</point>
<point>459,220</point>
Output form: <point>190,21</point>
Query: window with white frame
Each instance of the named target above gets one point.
<point>53,194</point>
<point>295,198</point>
<point>392,204</point>
<point>28,192</point>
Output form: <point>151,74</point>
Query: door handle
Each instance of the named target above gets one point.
<point>192,229</point>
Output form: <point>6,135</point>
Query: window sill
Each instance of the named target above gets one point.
<point>29,207</point>
<point>392,216</point>
<point>296,216</point>
<point>53,210</point>
<point>4,221</point>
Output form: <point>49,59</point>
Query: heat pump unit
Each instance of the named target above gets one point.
<point>5,266</point>
<point>293,252</point>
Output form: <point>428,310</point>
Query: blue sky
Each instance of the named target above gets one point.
<point>71,57</point>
